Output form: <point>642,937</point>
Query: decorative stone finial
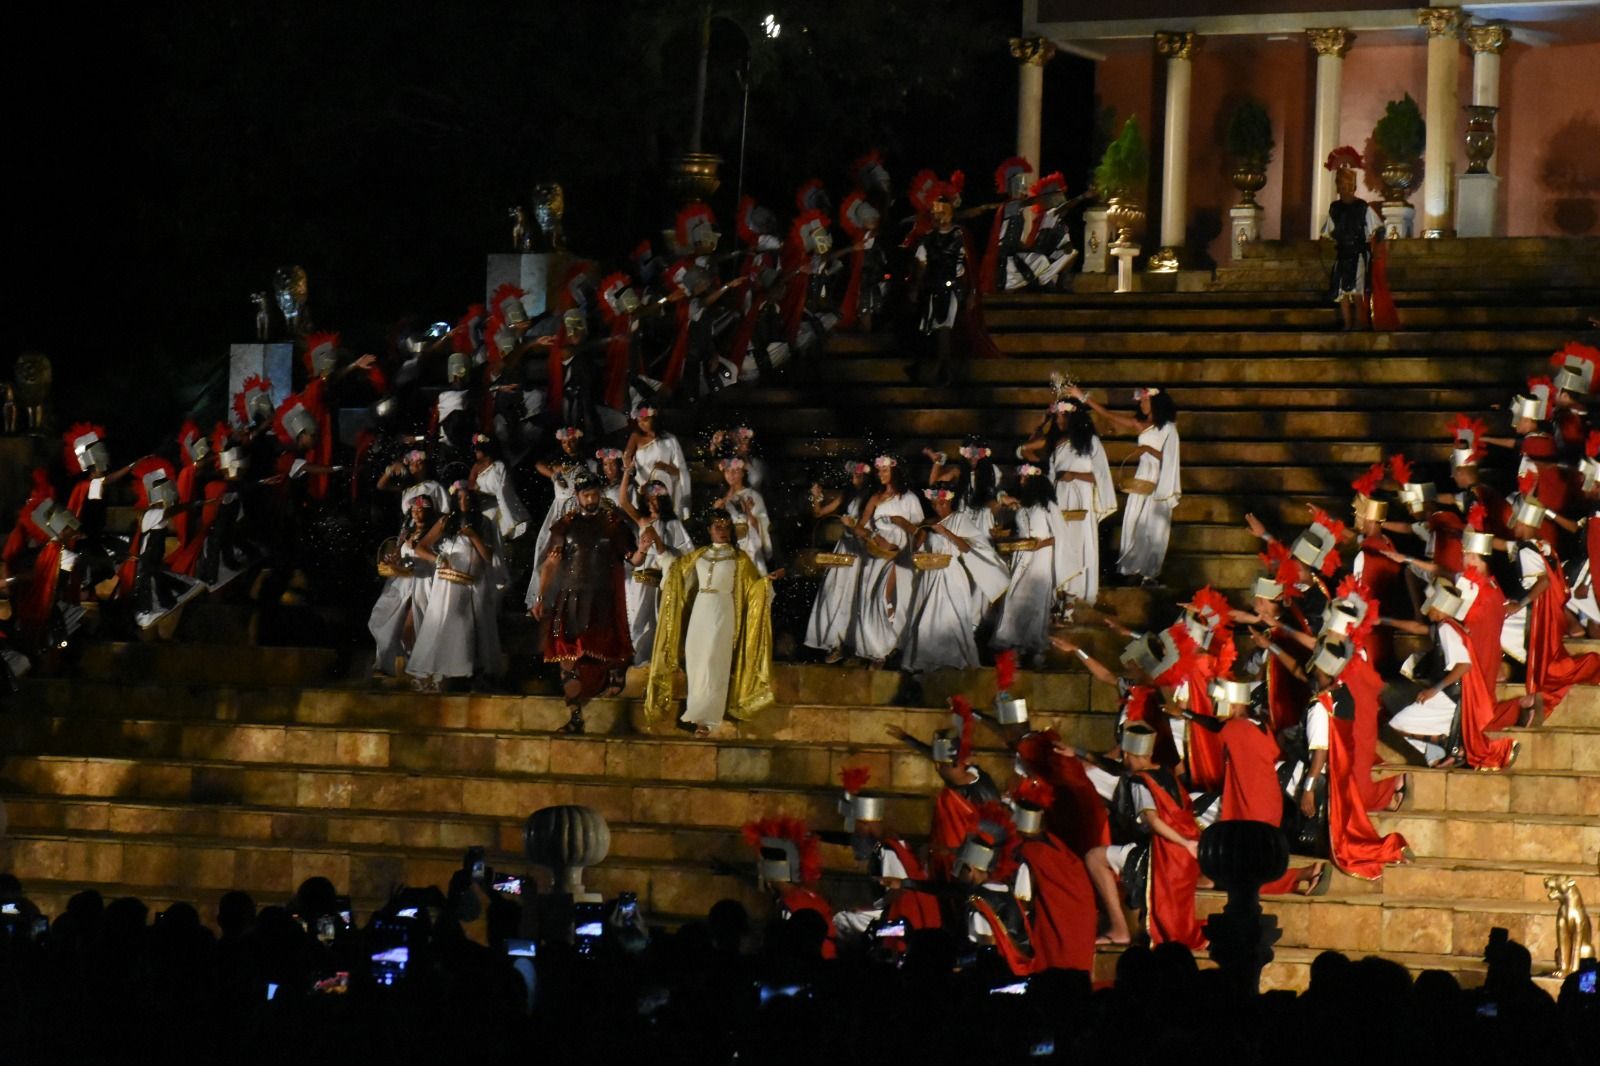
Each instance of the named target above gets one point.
<point>1489,37</point>
<point>1177,45</point>
<point>1442,21</point>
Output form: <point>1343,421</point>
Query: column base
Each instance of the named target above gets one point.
<point>1125,255</point>
<point>1397,220</point>
<point>1163,262</point>
<point>1245,226</point>
<point>1437,234</point>
<point>1096,240</point>
<point>1475,205</point>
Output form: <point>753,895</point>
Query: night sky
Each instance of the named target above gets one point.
<point>166,161</point>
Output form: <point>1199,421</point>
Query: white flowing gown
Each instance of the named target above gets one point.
<point>709,635</point>
<point>664,449</point>
<point>835,604</point>
<point>1025,615</point>
<point>948,604</point>
<point>447,640</point>
<point>644,600</point>
<point>1097,499</point>
<point>401,598</point>
<point>508,513</point>
<point>1147,523</point>
<point>882,606</point>
<point>756,540</point>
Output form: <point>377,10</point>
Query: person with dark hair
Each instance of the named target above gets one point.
<point>582,607</point>
<point>835,606</point>
<point>563,470</point>
<point>455,638</point>
<point>884,530</point>
<point>752,528</point>
<point>959,576</point>
<point>726,639</point>
<point>1038,569</point>
<point>412,474</point>
<point>1072,453</point>
<point>972,474</point>
<point>490,478</point>
<point>662,539</point>
<point>655,455</point>
<point>1155,488</point>
<point>397,614</point>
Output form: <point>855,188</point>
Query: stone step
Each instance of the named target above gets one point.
<point>1502,879</point>
<point>1581,707</point>
<point>1284,367</point>
<point>1324,317</point>
<point>1521,790</point>
<point>1558,747</point>
<point>1089,291</point>
<point>201,664</point>
<point>1440,398</point>
<point>1568,838</point>
<point>1140,345</point>
<point>1383,925</point>
<point>1290,969</point>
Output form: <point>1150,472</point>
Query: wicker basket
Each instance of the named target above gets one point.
<point>455,577</point>
<point>1136,486</point>
<point>877,551</point>
<point>390,562</point>
<point>930,561</point>
<point>1074,516</point>
<point>1021,544</point>
<point>648,575</point>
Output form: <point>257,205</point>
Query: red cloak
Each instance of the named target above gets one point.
<point>1169,891</point>
<point>1366,688</point>
<point>1064,906</point>
<point>796,899</point>
<point>1552,670</point>
<point>954,817</point>
<point>1357,848</point>
<point>919,910</point>
<point>1479,714</point>
<point>1077,815</point>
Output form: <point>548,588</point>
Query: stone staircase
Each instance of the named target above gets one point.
<point>175,771</point>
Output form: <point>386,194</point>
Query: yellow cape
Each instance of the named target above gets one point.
<point>750,687</point>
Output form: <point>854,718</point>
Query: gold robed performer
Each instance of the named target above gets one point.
<point>727,632</point>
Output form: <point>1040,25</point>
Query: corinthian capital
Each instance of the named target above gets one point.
<point>1036,51</point>
<point>1441,21</point>
<point>1489,37</point>
<point>1330,41</point>
<point>1177,45</point>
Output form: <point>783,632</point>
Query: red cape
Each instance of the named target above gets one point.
<point>1479,715</point>
<point>1357,848</point>
<point>1064,907</point>
<point>1169,891</point>
<point>1078,815</point>
<point>1367,688</point>
<point>1552,670</point>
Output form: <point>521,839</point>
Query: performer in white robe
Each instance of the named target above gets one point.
<point>949,601</point>
<point>884,531</point>
<point>1076,463</point>
<point>657,456</point>
<point>562,472</point>
<point>618,485</point>
<point>410,477</point>
<point>490,477</point>
<point>447,640</point>
<point>752,530</point>
<point>740,443</point>
<point>1037,570</point>
<point>835,605</point>
<point>397,615</point>
<point>1156,488</point>
<point>662,540</point>
<point>492,580</point>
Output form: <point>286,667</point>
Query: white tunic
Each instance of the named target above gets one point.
<point>1147,523</point>
<point>1435,716</point>
<point>402,598</point>
<point>447,641</point>
<point>948,604</point>
<point>835,604</point>
<point>885,591</point>
<point>566,471</point>
<point>1025,615</point>
<point>644,600</point>
<point>1514,631</point>
<point>756,540</point>
<point>664,449</point>
<point>508,513</point>
<point>1080,554</point>
<point>709,635</point>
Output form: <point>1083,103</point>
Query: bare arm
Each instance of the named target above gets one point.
<point>1096,668</point>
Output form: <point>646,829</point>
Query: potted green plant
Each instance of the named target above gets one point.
<point>1121,178</point>
<point>1250,143</point>
<point>1400,136</point>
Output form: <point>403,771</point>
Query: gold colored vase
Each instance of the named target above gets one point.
<point>1249,179</point>
<point>693,176</point>
<point>1480,137</point>
<point>1125,215</point>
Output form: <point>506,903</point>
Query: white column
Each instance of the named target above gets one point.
<point>1031,54</point>
<point>1487,41</point>
<point>1330,45</point>
<point>1178,48</point>
<point>1443,107</point>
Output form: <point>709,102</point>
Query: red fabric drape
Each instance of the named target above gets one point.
<point>850,310</point>
<point>185,558</point>
<point>619,349</point>
<point>1446,527</point>
<point>1077,815</point>
<point>1020,963</point>
<point>1480,716</point>
<point>990,267</point>
<point>1384,315</point>
<point>315,398</point>
<point>34,604</point>
<point>1250,789</point>
<point>1287,695</point>
<point>1366,688</point>
<point>1169,894</point>
<point>1141,707</point>
<point>1357,848</point>
<point>919,910</point>
<point>954,817</point>
<point>980,345</point>
<point>1552,670</point>
<point>1203,748</point>
<point>1064,908</point>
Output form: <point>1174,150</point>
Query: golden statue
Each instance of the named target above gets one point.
<point>1574,935</point>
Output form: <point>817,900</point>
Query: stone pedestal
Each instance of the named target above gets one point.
<point>1096,240</point>
<point>1244,225</point>
<point>1125,255</point>
<point>272,360</point>
<point>1397,220</point>
<point>535,273</point>
<point>1475,205</point>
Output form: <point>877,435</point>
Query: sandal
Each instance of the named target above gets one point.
<point>1400,793</point>
<point>1319,883</point>
<point>575,723</point>
<point>702,731</point>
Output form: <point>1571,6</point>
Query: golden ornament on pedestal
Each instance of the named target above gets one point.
<point>1125,215</point>
<point>1330,40</point>
<point>1480,137</point>
<point>1249,179</point>
<point>1574,934</point>
<point>1163,262</point>
<point>1398,180</point>
<point>1442,21</point>
<point>693,176</point>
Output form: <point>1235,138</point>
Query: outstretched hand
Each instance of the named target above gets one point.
<point>1253,524</point>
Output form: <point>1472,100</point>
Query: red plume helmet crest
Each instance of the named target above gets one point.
<point>793,830</point>
<point>963,710</point>
<point>855,778</point>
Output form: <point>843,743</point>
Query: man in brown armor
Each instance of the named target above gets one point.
<point>582,608</point>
